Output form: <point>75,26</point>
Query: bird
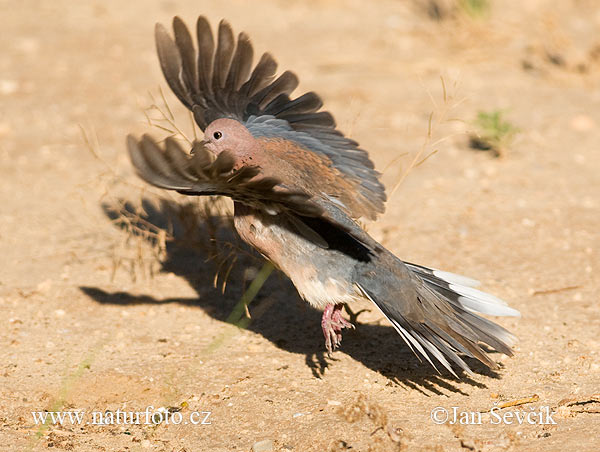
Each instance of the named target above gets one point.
<point>300,188</point>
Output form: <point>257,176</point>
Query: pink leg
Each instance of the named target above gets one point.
<point>332,324</point>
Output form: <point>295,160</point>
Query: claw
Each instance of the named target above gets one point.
<point>332,324</point>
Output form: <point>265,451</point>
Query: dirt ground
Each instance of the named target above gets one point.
<point>92,320</point>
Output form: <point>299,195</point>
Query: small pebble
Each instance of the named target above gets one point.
<point>266,445</point>
<point>44,286</point>
<point>8,87</point>
<point>582,123</point>
<point>5,129</point>
<point>527,222</point>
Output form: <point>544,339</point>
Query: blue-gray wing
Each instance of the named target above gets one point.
<point>217,80</point>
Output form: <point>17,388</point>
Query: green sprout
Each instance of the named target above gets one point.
<point>475,8</point>
<point>493,133</point>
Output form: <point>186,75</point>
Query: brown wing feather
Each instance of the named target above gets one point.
<point>300,169</point>
<point>260,187</point>
<point>217,81</point>
<point>170,167</point>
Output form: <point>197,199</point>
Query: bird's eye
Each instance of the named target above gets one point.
<point>217,135</point>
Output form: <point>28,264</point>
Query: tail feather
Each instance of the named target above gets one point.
<point>444,341</point>
<point>433,274</point>
<point>462,290</point>
<point>438,316</point>
<point>442,349</point>
<point>491,333</point>
<point>415,341</point>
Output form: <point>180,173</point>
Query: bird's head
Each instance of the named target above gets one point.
<point>228,135</point>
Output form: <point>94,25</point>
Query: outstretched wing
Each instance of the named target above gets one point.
<point>217,81</point>
<point>200,174</point>
<point>171,168</point>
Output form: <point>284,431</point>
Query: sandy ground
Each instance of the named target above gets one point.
<point>84,325</point>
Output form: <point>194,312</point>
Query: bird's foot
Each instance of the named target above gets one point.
<point>332,324</point>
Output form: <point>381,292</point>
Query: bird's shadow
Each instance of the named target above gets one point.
<point>284,319</point>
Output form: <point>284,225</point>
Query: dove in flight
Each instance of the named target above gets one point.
<point>299,186</point>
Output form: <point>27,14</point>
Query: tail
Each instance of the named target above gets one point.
<point>462,290</point>
<point>436,312</point>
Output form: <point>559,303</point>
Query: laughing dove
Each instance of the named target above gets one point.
<point>298,187</point>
